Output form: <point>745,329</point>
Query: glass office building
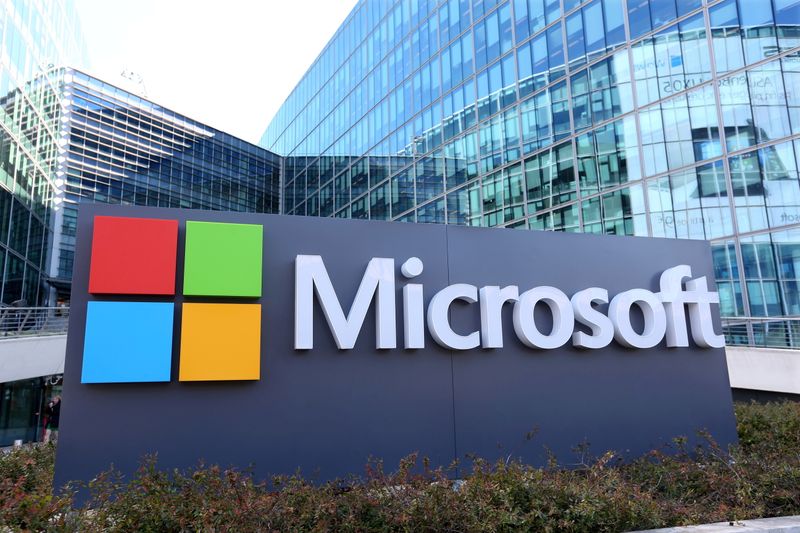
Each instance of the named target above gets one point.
<point>663,118</point>
<point>37,37</point>
<point>119,148</point>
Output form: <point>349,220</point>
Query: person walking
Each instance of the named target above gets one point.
<point>53,413</point>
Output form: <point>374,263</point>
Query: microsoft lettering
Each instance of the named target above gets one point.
<point>663,312</point>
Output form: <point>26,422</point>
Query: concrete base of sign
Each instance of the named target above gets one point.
<point>783,524</point>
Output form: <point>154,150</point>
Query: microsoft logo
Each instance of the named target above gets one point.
<point>130,338</point>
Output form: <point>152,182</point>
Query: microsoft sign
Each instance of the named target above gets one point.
<point>296,342</point>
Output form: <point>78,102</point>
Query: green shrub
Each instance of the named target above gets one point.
<point>761,477</point>
<point>26,500</point>
<point>769,427</point>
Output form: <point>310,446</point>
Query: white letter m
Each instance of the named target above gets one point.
<point>310,274</point>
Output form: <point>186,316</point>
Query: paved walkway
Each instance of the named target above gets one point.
<point>784,524</point>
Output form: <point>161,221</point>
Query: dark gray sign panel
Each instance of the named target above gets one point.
<point>327,410</point>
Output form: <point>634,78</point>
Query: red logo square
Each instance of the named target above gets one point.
<point>133,256</point>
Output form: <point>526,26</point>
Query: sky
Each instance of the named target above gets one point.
<point>229,64</point>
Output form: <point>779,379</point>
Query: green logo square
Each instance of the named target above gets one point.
<point>222,259</point>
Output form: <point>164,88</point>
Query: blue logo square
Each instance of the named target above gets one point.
<point>127,342</point>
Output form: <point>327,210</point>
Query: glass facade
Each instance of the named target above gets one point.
<point>663,118</point>
<point>119,148</point>
<point>37,37</point>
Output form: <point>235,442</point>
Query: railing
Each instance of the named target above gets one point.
<point>30,321</point>
<point>775,332</point>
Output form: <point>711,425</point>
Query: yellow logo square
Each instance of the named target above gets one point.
<point>220,342</point>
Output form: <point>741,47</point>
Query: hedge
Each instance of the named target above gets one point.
<point>675,486</point>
